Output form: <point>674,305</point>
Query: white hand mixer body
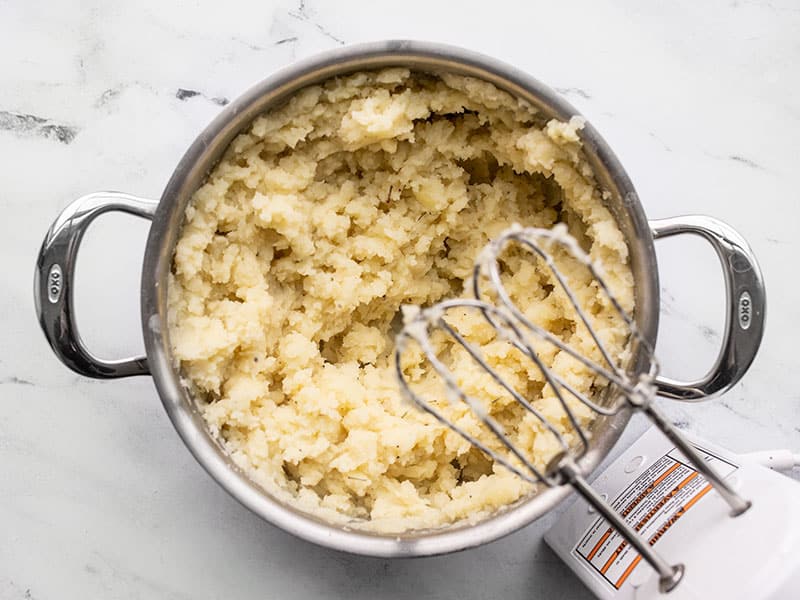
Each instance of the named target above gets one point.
<point>755,556</point>
<point>694,522</point>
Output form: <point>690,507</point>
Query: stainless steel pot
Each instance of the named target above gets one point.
<point>54,296</point>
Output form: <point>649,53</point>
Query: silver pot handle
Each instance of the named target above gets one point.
<point>55,272</point>
<point>744,306</point>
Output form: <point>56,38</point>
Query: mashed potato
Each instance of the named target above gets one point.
<point>326,216</point>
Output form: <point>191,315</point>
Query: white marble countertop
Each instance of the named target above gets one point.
<point>98,496</point>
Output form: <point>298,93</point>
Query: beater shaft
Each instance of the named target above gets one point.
<point>738,504</point>
<point>669,575</point>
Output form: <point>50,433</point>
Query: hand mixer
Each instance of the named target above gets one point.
<point>759,501</point>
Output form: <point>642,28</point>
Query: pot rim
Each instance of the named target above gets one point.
<point>191,171</point>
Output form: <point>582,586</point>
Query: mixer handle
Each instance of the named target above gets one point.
<point>744,306</point>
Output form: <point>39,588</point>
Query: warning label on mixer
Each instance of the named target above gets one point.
<point>651,505</point>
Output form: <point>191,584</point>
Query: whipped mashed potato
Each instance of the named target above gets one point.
<point>327,215</point>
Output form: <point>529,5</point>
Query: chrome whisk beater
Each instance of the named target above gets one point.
<point>626,386</point>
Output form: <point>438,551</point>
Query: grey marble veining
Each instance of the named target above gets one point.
<point>99,498</point>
